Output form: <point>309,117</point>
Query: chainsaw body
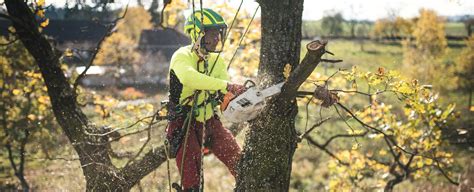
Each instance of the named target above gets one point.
<point>249,104</point>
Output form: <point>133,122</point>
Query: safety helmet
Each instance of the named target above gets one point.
<point>196,22</point>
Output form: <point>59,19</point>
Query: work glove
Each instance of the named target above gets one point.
<point>328,97</point>
<point>236,89</point>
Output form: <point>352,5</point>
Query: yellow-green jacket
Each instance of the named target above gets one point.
<point>185,79</point>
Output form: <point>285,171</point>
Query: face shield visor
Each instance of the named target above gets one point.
<point>214,37</point>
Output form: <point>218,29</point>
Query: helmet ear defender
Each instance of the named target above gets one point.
<point>198,22</point>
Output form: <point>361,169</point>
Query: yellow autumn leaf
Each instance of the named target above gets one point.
<point>40,2</point>
<point>40,13</point>
<point>44,23</point>
<point>162,113</point>
<point>68,52</point>
<point>149,107</point>
<point>31,117</point>
<point>382,152</point>
<point>287,71</point>
<point>429,161</point>
<point>355,146</point>
<point>419,164</point>
<point>130,107</point>
<point>16,92</point>
<point>43,99</point>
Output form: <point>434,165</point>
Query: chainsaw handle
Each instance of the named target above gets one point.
<point>249,82</point>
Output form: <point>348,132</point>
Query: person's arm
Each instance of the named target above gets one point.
<point>221,70</point>
<point>189,76</point>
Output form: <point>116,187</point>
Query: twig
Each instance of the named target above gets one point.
<point>118,129</point>
<point>55,158</point>
<point>313,142</point>
<point>147,140</point>
<point>331,60</point>
<point>343,135</point>
<point>307,113</point>
<point>370,127</point>
<point>116,138</point>
<point>443,172</point>
<point>110,31</point>
<point>312,128</point>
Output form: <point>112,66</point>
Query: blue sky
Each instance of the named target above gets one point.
<point>358,9</point>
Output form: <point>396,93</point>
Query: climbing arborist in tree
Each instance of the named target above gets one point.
<point>194,94</point>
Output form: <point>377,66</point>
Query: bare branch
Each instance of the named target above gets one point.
<point>313,142</point>
<point>10,157</point>
<point>373,128</point>
<point>110,30</point>
<point>118,129</point>
<point>118,138</point>
<point>331,60</point>
<point>344,136</point>
<point>147,139</point>
<point>55,159</point>
<point>312,128</point>
<point>438,166</point>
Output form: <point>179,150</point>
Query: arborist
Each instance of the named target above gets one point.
<point>195,92</point>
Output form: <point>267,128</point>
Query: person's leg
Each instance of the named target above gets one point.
<point>192,158</point>
<point>224,145</point>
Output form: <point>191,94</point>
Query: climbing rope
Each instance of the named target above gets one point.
<point>242,38</point>
<point>227,34</point>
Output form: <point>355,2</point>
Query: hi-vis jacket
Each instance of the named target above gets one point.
<point>186,76</point>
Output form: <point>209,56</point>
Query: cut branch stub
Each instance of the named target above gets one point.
<point>316,45</point>
<point>316,49</point>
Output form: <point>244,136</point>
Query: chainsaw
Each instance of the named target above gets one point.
<point>248,105</point>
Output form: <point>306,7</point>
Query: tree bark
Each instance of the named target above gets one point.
<point>271,143</point>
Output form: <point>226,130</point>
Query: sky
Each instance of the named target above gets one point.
<point>352,9</point>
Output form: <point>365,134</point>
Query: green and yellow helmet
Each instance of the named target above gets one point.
<point>210,19</point>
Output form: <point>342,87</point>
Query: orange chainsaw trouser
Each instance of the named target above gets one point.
<point>222,144</point>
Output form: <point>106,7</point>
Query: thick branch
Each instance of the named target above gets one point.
<point>136,170</point>
<point>316,49</point>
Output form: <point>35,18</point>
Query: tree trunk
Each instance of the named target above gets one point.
<point>271,143</point>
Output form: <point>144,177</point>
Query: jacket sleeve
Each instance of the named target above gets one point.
<point>190,77</point>
<point>221,69</point>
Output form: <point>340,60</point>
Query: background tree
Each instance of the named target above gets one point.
<point>89,141</point>
<point>25,110</point>
<point>155,13</point>
<point>136,19</point>
<point>332,23</point>
<point>118,49</point>
<point>393,29</point>
<point>466,68</point>
<point>469,25</point>
<point>423,57</point>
